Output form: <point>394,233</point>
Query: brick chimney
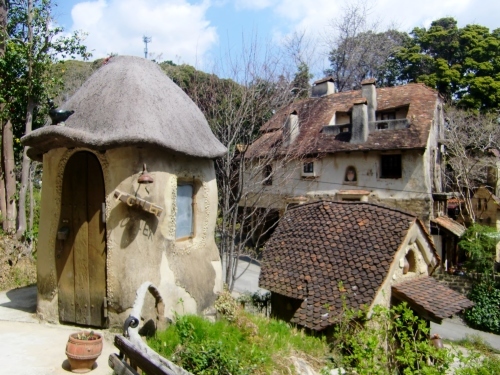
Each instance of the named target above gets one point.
<point>369,92</point>
<point>359,121</point>
<point>323,87</point>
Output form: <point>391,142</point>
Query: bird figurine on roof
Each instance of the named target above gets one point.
<point>58,116</point>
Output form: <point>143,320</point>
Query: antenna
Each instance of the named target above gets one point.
<point>146,40</point>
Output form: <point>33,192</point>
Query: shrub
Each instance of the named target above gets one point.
<point>392,341</point>
<point>485,315</point>
<point>479,242</point>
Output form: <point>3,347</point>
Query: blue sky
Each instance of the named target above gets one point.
<point>200,32</point>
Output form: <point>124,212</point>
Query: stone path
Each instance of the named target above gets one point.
<point>29,347</point>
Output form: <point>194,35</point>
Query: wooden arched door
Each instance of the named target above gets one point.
<point>81,243</point>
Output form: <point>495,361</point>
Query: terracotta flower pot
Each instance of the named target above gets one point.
<point>436,341</point>
<point>82,353</point>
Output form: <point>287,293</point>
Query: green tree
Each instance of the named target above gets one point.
<point>463,64</point>
<point>33,46</point>
<point>479,243</point>
<point>300,83</point>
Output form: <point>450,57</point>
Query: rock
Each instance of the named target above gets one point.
<point>302,367</point>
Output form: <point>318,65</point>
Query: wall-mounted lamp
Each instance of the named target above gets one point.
<point>145,177</point>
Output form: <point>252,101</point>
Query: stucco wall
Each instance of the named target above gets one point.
<point>140,247</point>
<point>416,244</point>
<point>411,192</point>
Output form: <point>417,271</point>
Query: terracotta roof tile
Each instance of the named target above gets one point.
<point>315,113</point>
<point>428,296</point>
<point>323,240</point>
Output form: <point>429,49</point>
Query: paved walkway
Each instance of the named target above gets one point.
<point>454,329</point>
<point>29,347</point>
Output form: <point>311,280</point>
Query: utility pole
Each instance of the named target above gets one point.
<point>146,40</point>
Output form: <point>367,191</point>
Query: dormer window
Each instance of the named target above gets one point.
<point>386,115</point>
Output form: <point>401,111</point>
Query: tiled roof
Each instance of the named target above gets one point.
<point>326,252</point>
<point>448,223</point>
<point>315,113</point>
<point>430,298</point>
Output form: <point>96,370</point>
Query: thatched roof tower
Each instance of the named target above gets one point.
<point>129,101</point>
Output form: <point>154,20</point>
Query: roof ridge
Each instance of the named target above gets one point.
<point>355,203</point>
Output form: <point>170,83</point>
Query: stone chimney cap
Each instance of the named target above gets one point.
<point>369,81</point>
<point>360,101</point>
<point>326,79</point>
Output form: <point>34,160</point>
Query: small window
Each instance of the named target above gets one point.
<point>344,129</point>
<point>350,175</point>
<point>268,175</point>
<point>410,263</point>
<point>390,166</point>
<point>308,167</point>
<point>382,126</point>
<point>184,218</point>
<point>388,116</point>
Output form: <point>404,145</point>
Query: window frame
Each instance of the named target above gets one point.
<point>388,171</point>
<point>308,167</point>
<point>193,209</point>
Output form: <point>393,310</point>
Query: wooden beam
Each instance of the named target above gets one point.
<point>143,204</point>
<point>140,359</point>
<point>119,367</point>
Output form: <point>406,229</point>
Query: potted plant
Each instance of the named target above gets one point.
<point>82,350</point>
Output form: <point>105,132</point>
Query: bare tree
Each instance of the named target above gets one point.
<point>256,83</point>
<point>357,49</point>
<point>472,144</point>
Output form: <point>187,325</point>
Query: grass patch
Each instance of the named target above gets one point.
<point>476,342</point>
<point>482,359</point>
<point>251,344</point>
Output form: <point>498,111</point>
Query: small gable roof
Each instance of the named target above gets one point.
<point>326,252</point>
<point>315,113</point>
<point>430,298</point>
<point>129,101</point>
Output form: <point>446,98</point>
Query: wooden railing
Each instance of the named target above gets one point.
<point>131,361</point>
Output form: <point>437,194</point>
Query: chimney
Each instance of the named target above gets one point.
<point>359,121</point>
<point>291,130</point>
<point>369,92</point>
<point>323,87</point>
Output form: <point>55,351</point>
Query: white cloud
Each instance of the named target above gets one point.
<point>404,14</point>
<point>179,30</point>
<point>253,4</point>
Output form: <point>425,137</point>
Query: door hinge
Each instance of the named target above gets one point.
<point>105,305</point>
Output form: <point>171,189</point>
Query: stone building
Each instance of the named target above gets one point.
<point>129,195</point>
<point>327,256</point>
<point>376,145</point>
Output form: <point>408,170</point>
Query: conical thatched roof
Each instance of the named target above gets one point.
<point>129,101</point>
